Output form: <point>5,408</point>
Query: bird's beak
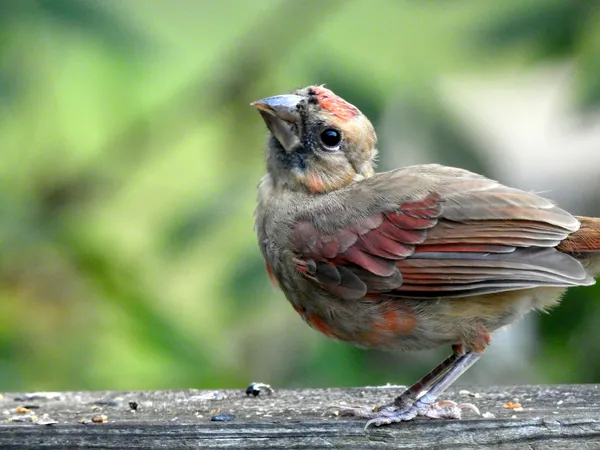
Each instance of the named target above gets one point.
<point>281,115</point>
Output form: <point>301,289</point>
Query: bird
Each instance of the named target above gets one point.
<point>414,258</point>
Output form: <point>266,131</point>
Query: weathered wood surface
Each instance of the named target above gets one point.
<point>552,417</point>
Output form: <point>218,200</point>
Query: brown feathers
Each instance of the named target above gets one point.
<point>586,239</point>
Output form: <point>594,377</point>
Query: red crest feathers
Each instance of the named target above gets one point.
<point>334,104</point>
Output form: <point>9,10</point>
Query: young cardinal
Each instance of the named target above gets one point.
<point>415,258</point>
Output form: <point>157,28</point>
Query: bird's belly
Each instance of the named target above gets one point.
<point>407,324</point>
<point>399,324</point>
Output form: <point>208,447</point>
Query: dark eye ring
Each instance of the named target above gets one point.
<point>331,138</point>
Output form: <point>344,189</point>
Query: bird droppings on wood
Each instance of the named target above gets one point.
<point>300,419</point>
<point>255,389</point>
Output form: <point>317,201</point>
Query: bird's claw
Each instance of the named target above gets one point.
<point>446,409</point>
<point>364,412</point>
<point>458,407</point>
<point>385,416</point>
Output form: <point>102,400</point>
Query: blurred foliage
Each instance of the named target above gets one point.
<point>554,29</point>
<point>130,159</point>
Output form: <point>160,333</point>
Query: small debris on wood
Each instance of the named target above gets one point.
<point>225,417</point>
<point>469,393</point>
<point>213,395</point>
<point>488,415</point>
<point>25,418</point>
<point>23,415</point>
<point>133,406</point>
<point>254,389</point>
<point>514,406</point>
<point>46,420</point>
<point>103,418</point>
<point>39,396</point>
<point>106,403</point>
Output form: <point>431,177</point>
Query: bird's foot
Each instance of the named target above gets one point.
<point>387,415</point>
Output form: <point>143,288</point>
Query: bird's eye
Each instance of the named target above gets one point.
<point>331,138</point>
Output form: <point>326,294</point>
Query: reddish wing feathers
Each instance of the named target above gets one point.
<point>369,249</point>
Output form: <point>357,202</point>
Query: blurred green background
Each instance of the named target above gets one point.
<point>130,158</point>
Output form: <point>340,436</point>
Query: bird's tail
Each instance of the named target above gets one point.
<point>585,243</point>
<point>586,239</point>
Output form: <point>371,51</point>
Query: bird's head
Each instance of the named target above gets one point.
<point>318,141</point>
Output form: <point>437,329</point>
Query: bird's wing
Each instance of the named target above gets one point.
<point>434,232</point>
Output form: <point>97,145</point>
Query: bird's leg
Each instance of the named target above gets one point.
<point>427,404</point>
<point>408,405</point>
<point>410,395</point>
<point>405,400</point>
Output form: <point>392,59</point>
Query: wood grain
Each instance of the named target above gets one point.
<point>553,417</point>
